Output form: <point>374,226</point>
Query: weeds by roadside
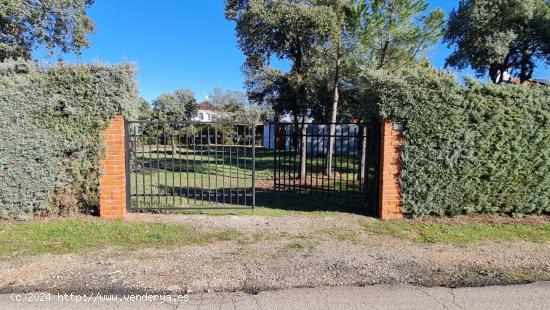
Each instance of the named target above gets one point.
<point>74,236</point>
<point>460,234</point>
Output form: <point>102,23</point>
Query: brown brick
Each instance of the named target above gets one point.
<point>112,183</point>
<point>390,167</point>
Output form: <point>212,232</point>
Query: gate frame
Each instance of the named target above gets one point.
<point>114,185</point>
<point>250,126</point>
<point>356,149</point>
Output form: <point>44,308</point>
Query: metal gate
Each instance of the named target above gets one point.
<point>191,165</point>
<point>300,162</point>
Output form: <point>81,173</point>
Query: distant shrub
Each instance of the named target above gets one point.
<point>473,148</point>
<point>51,120</point>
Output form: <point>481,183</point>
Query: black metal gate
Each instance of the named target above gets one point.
<point>191,165</point>
<point>300,162</point>
<point>195,165</point>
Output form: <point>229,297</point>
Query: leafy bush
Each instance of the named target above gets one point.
<point>473,148</point>
<point>51,120</point>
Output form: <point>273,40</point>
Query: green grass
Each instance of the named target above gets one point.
<point>295,246</point>
<point>165,178</point>
<point>74,236</point>
<point>460,234</point>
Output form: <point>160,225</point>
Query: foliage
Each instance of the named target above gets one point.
<point>473,148</point>
<point>393,33</point>
<point>181,105</point>
<point>227,101</point>
<point>497,36</point>
<point>328,43</point>
<point>51,124</point>
<point>286,29</point>
<point>234,106</point>
<point>143,110</point>
<point>26,25</point>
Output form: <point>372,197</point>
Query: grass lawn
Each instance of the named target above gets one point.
<point>208,176</point>
<point>75,236</point>
<point>460,234</point>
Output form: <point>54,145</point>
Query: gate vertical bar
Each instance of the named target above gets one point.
<point>253,166</point>
<point>127,164</point>
<point>244,163</point>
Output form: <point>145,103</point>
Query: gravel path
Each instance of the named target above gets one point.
<point>287,252</point>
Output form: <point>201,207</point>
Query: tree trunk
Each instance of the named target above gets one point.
<point>363,155</point>
<point>303,151</point>
<point>334,114</point>
<point>383,54</point>
<point>526,66</point>
<point>173,145</point>
<point>494,75</point>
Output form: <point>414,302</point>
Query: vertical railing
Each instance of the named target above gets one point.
<point>190,165</point>
<point>353,174</point>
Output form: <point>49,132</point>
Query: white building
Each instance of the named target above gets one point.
<point>205,113</point>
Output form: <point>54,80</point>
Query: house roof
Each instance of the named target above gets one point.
<point>205,105</point>
<point>530,82</point>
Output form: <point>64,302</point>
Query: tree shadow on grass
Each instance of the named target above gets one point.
<point>241,197</point>
<point>311,202</point>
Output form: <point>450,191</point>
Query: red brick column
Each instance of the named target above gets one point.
<point>390,167</point>
<point>112,183</point>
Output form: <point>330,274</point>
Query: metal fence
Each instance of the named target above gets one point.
<point>353,175</point>
<point>191,165</point>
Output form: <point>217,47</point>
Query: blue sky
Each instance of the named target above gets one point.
<point>185,44</point>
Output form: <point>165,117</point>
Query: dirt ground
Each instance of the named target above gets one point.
<point>278,252</point>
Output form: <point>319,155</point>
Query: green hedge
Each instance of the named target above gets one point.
<point>51,119</point>
<point>468,148</point>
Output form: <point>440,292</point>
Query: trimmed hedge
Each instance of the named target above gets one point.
<point>472,148</point>
<point>51,124</point>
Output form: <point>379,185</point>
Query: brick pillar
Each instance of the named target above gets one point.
<point>390,167</point>
<point>112,183</point>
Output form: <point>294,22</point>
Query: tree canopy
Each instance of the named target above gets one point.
<point>395,32</point>
<point>54,25</point>
<point>496,36</point>
<point>227,101</point>
<point>328,44</point>
<point>180,105</point>
<point>286,29</point>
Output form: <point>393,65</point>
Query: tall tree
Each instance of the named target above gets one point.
<point>341,42</point>
<point>379,34</point>
<point>498,36</point>
<point>54,25</point>
<point>286,29</point>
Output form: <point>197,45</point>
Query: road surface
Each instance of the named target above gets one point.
<point>531,296</point>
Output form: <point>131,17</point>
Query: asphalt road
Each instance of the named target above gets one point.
<point>531,296</point>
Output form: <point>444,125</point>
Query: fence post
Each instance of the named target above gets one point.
<point>112,183</point>
<point>389,207</point>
